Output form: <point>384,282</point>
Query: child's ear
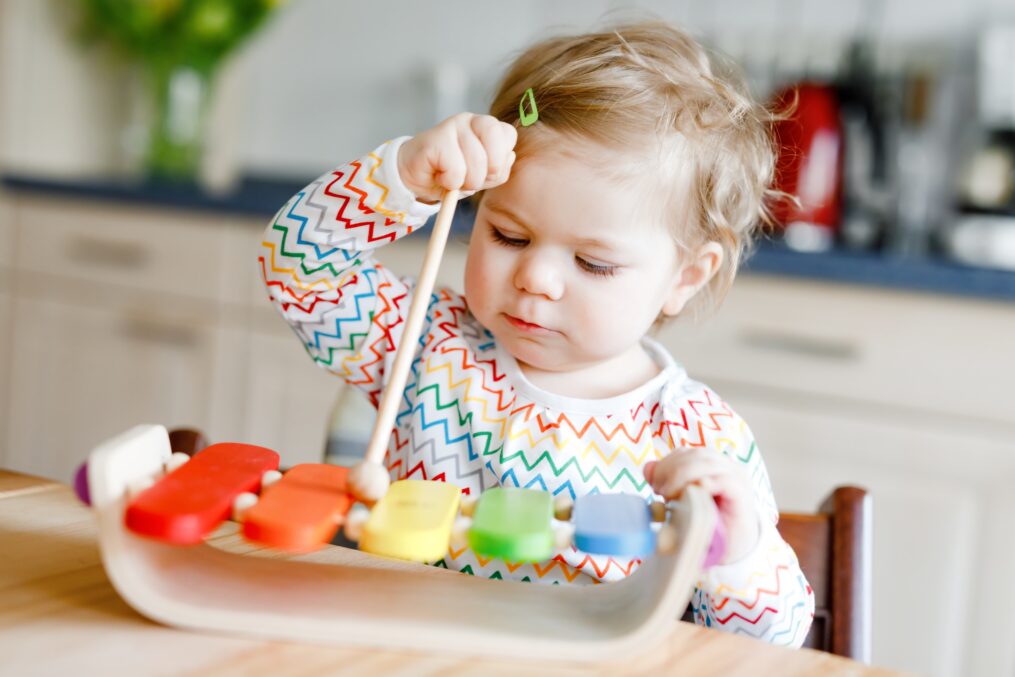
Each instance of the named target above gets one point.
<point>692,276</point>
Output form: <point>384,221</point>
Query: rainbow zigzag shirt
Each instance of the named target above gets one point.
<point>468,415</point>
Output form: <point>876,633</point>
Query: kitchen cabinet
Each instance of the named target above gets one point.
<point>942,512</point>
<point>7,232</point>
<point>909,396</point>
<point>288,399</point>
<point>84,373</point>
<point>900,350</point>
<point>5,360</point>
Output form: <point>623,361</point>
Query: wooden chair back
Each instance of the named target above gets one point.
<point>834,549</point>
<point>187,440</point>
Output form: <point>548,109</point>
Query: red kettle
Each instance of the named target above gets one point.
<point>810,147</point>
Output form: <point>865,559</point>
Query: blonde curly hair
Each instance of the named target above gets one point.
<point>653,92</point>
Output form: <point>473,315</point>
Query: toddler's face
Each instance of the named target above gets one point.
<point>565,268</point>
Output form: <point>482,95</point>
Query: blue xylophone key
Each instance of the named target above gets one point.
<point>613,524</point>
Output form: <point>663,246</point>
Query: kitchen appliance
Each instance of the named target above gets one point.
<point>983,232</point>
<point>810,165</point>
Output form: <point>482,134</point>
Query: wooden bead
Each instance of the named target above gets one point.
<point>269,478</point>
<point>354,522</point>
<point>563,535</point>
<point>562,507</point>
<point>666,539</point>
<point>658,511</point>
<point>176,460</point>
<point>242,503</point>
<point>460,531</point>
<point>368,482</point>
<point>467,506</point>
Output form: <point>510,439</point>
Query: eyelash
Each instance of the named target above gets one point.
<point>590,268</point>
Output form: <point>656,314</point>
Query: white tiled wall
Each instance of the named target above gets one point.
<point>327,79</point>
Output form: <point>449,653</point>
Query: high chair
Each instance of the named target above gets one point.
<point>834,549</point>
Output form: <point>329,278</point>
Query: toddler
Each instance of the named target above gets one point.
<point>627,202</point>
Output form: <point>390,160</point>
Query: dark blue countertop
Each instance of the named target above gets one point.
<point>263,197</point>
<point>881,270</point>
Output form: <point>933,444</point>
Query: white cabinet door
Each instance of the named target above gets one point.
<point>5,360</point>
<point>942,511</point>
<point>85,373</point>
<point>288,399</point>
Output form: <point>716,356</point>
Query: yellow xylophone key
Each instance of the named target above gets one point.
<point>412,521</point>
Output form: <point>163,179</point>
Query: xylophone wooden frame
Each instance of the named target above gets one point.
<point>342,597</point>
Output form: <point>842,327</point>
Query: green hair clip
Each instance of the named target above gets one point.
<point>530,117</point>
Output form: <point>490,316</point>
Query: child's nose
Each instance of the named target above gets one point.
<point>538,275</point>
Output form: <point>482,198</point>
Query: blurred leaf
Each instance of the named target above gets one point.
<point>196,33</point>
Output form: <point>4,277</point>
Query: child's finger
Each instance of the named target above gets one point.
<point>505,172</point>
<point>450,168</point>
<point>498,138</point>
<point>669,479</point>
<point>648,470</point>
<point>476,161</point>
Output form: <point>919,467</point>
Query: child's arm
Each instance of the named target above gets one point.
<point>317,254</point>
<point>758,589</point>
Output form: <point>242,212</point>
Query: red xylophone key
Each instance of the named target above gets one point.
<point>189,503</point>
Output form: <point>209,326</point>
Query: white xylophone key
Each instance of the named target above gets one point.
<point>138,485</point>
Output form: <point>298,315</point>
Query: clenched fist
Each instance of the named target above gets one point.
<point>467,151</point>
<point>722,477</point>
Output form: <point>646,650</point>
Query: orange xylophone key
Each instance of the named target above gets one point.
<point>189,503</point>
<point>302,511</point>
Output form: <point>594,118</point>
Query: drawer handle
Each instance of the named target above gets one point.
<point>108,253</point>
<point>809,346</point>
<point>160,332</point>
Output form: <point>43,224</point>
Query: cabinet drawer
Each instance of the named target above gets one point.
<point>912,351</point>
<point>123,365</point>
<point>170,251</point>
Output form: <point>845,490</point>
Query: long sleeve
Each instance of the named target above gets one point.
<point>317,264</point>
<point>764,595</point>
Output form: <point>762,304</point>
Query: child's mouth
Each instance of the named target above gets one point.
<point>527,327</point>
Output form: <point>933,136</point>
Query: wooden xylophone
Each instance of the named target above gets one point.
<point>149,503</point>
<point>415,520</point>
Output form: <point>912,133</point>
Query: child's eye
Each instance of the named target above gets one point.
<point>595,268</point>
<point>505,240</point>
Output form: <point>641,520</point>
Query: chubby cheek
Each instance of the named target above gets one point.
<point>602,322</point>
<point>615,317</point>
<point>480,281</point>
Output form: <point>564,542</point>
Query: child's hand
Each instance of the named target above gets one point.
<point>466,151</point>
<point>725,480</point>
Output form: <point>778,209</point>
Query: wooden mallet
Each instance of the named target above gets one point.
<point>369,479</point>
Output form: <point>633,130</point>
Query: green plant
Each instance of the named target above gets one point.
<point>177,43</point>
<point>198,33</point>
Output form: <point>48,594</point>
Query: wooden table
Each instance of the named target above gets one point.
<point>59,615</point>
